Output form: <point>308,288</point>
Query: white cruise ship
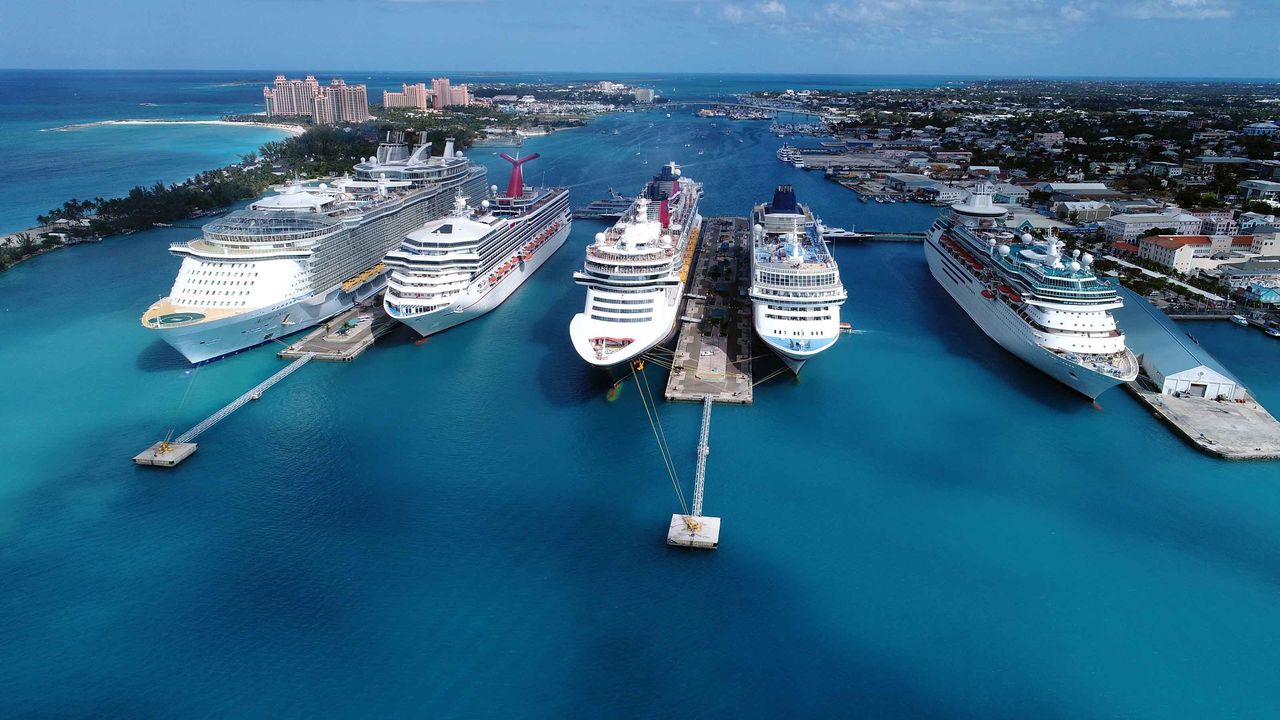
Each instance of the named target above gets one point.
<point>796,291</point>
<point>634,274</point>
<point>292,260</point>
<point>1051,311</point>
<point>464,265</point>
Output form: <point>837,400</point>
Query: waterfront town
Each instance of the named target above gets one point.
<point>1175,188</point>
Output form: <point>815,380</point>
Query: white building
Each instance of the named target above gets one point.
<point>1129,227</point>
<point>644,95</point>
<point>1262,129</point>
<point>1260,189</point>
<point>1169,359</point>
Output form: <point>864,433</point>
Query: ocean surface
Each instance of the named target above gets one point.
<point>51,162</point>
<point>923,526</point>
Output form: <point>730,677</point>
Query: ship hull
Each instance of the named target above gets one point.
<point>792,357</point>
<point>1007,330</point>
<point>202,342</point>
<point>477,301</point>
<point>618,365</point>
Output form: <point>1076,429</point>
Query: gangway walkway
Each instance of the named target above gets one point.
<point>168,453</point>
<point>696,530</point>
<point>239,402</point>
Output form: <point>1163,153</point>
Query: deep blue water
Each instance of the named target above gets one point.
<point>921,527</point>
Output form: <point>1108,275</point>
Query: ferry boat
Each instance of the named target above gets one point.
<point>1051,311</point>
<point>635,272</point>
<point>296,258</point>
<point>796,291</point>
<point>462,266</point>
<point>608,209</point>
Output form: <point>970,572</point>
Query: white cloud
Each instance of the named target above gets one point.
<point>767,11</point>
<point>1177,9</point>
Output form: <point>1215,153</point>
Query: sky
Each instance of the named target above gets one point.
<point>1134,38</point>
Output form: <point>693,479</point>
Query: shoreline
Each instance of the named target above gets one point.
<point>292,130</point>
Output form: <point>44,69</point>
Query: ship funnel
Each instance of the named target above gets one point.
<point>784,200</point>
<point>664,213</point>
<point>515,186</point>
<point>448,147</point>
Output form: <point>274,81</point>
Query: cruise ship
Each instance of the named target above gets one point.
<point>462,266</point>
<point>796,291</point>
<point>1051,311</point>
<point>296,258</point>
<point>634,274</point>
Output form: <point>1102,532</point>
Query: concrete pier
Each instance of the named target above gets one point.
<point>713,352</point>
<point>346,336</point>
<point>1231,430</point>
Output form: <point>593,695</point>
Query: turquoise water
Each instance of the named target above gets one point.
<point>103,161</point>
<point>921,527</point>
<point>46,167</point>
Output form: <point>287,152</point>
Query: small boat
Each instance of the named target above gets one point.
<point>846,327</point>
<point>1240,320</point>
<point>1272,331</point>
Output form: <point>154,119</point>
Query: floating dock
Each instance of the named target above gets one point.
<point>346,336</point>
<point>712,356</point>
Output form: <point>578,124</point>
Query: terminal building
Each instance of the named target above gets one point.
<point>1173,362</point>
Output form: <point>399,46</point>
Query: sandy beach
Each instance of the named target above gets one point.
<point>283,127</point>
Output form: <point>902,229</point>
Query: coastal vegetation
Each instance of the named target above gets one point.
<point>319,151</point>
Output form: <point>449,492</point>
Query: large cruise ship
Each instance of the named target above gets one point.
<point>634,273</point>
<point>464,265</point>
<point>294,259</point>
<point>1051,311</point>
<point>796,291</point>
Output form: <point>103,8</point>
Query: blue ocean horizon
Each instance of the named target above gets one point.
<point>922,526</point>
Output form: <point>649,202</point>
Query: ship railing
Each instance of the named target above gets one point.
<point>1073,333</point>
<point>651,257</point>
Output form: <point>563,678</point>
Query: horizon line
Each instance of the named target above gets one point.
<point>1186,78</point>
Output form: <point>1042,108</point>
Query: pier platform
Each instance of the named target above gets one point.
<point>164,454</point>
<point>1231,430</point>
<point>713,352</point>
<point>698,532</point>
<point>346,336</point>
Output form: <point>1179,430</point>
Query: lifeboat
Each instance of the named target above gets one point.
<point>988,294</point>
